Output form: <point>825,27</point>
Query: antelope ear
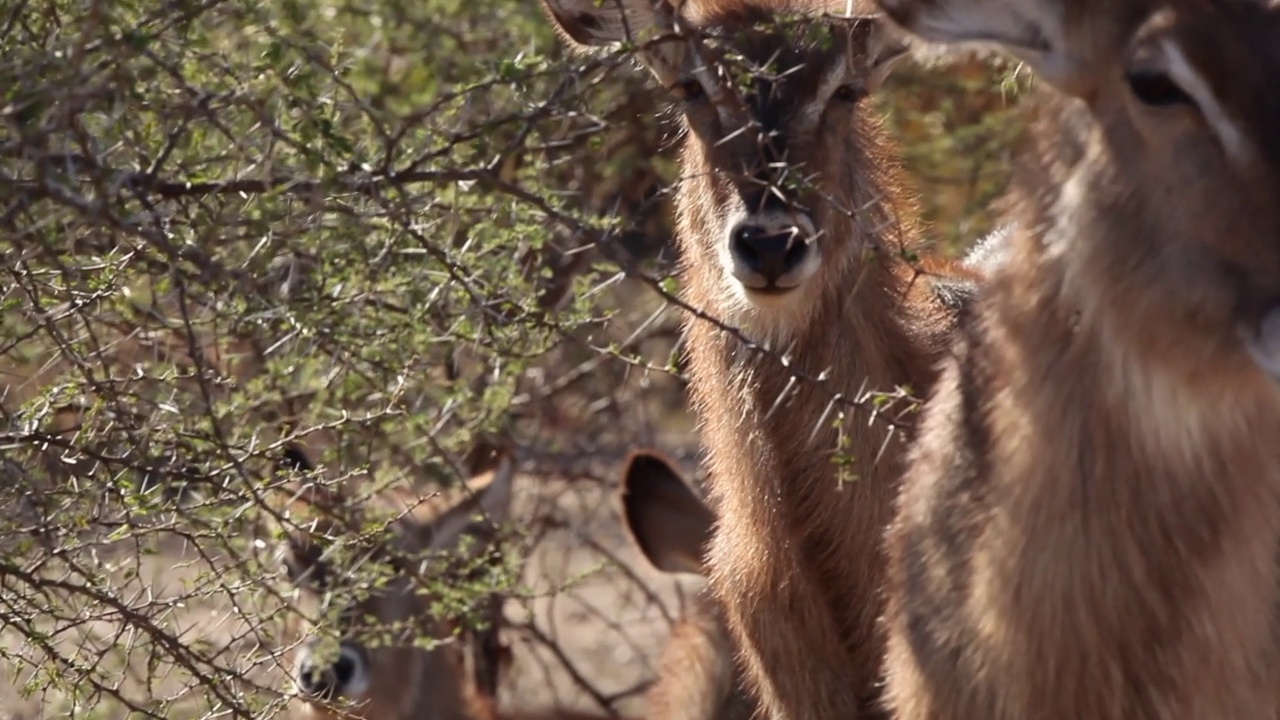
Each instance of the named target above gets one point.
<point>488,504</point>
<point>304,512</point>
<point>668,521</point>
<point>584,24</point>
<point>885,49</point>
<point>600,23</point>
<point>1031,30</point>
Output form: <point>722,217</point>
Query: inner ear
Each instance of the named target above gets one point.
<point>667,521</point>
<point>487,503</point>
<point>584,24</point>
<point>302,562</point>
<point>1032,31</point>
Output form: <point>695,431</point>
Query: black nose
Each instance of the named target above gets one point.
<point>324,681</point>
<point>318,681</point>
<point>771,254</point>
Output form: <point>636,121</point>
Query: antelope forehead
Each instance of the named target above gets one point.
<point>799,95</point>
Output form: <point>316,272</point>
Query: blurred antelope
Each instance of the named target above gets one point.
<point>390,678</point>
<point>1090,523</point>
<point>698,678</point>
<point>793,226</point>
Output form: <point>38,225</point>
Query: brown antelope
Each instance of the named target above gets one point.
<point>1089,525</point>
<point>400,679</point>
<point>47,398</point>
<point>698,678</point>
<point>792,226</point>
<point>395,679</point>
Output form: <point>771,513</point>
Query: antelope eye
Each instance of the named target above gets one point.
<point>850,93</point>
<point>688,90</point>
<point>1157,89</point>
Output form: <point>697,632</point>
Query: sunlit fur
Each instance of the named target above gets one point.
<point>795,558</point>
<point>698,678</point>
<point>1089,525</point>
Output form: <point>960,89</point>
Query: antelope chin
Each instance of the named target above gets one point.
<point>769,297</point>
<point>778,295</point>
<point>771,316</point>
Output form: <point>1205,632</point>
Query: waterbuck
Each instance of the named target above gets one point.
<point>1089,525</point>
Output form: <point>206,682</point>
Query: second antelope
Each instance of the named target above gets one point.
<point>379,669</point>
<point>793,228</point>
<point>393,678</point>
<point>1090,522</point>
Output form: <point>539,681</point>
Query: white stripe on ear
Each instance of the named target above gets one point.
<point>1194,84</point>
<point>1031,30</point>
<point>1027,25</point>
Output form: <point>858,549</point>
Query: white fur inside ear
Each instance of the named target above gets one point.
<point>1263,343</point>
<point>603,23</point>
<point>989,253</point>
<point>1030,30</point>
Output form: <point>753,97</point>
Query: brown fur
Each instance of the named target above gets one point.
<point>1090,520</point>
<point>795,555</point>
<point>698,678</point>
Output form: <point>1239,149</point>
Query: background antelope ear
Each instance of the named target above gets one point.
<point>1031,30</point>
<point>886,47</point>
<point>303,512</point>
<point>600,23</point>
<point>668,521</point>
<point>584,24</point>
<point>488,504</point>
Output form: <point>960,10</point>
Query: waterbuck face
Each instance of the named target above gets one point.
<point>1175,106</point>
<point>360,648</point>
<point>781,168</point>
<point>771,99</point>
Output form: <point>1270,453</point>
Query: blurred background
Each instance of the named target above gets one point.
<point>398,234</point>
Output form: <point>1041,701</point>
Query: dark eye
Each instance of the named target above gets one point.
<point>850,93</point>
<point>1157,89</point>
<point>688,90</point>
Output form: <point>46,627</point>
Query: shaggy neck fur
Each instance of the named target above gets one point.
<point>1091,520</point>
<point>794,556</point>
<point>698,678</point>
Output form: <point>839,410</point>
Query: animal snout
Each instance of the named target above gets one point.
<point>770,257</point>
<point>345,676</point>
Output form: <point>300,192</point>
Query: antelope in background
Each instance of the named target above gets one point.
<point>1089,523</point>
<point>387,680</point>
<point>395,680</point>
<point>698,678</point>
<point>814,271</point>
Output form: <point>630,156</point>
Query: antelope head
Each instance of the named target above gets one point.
<point>381,665</point>
<point>776,158</point>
